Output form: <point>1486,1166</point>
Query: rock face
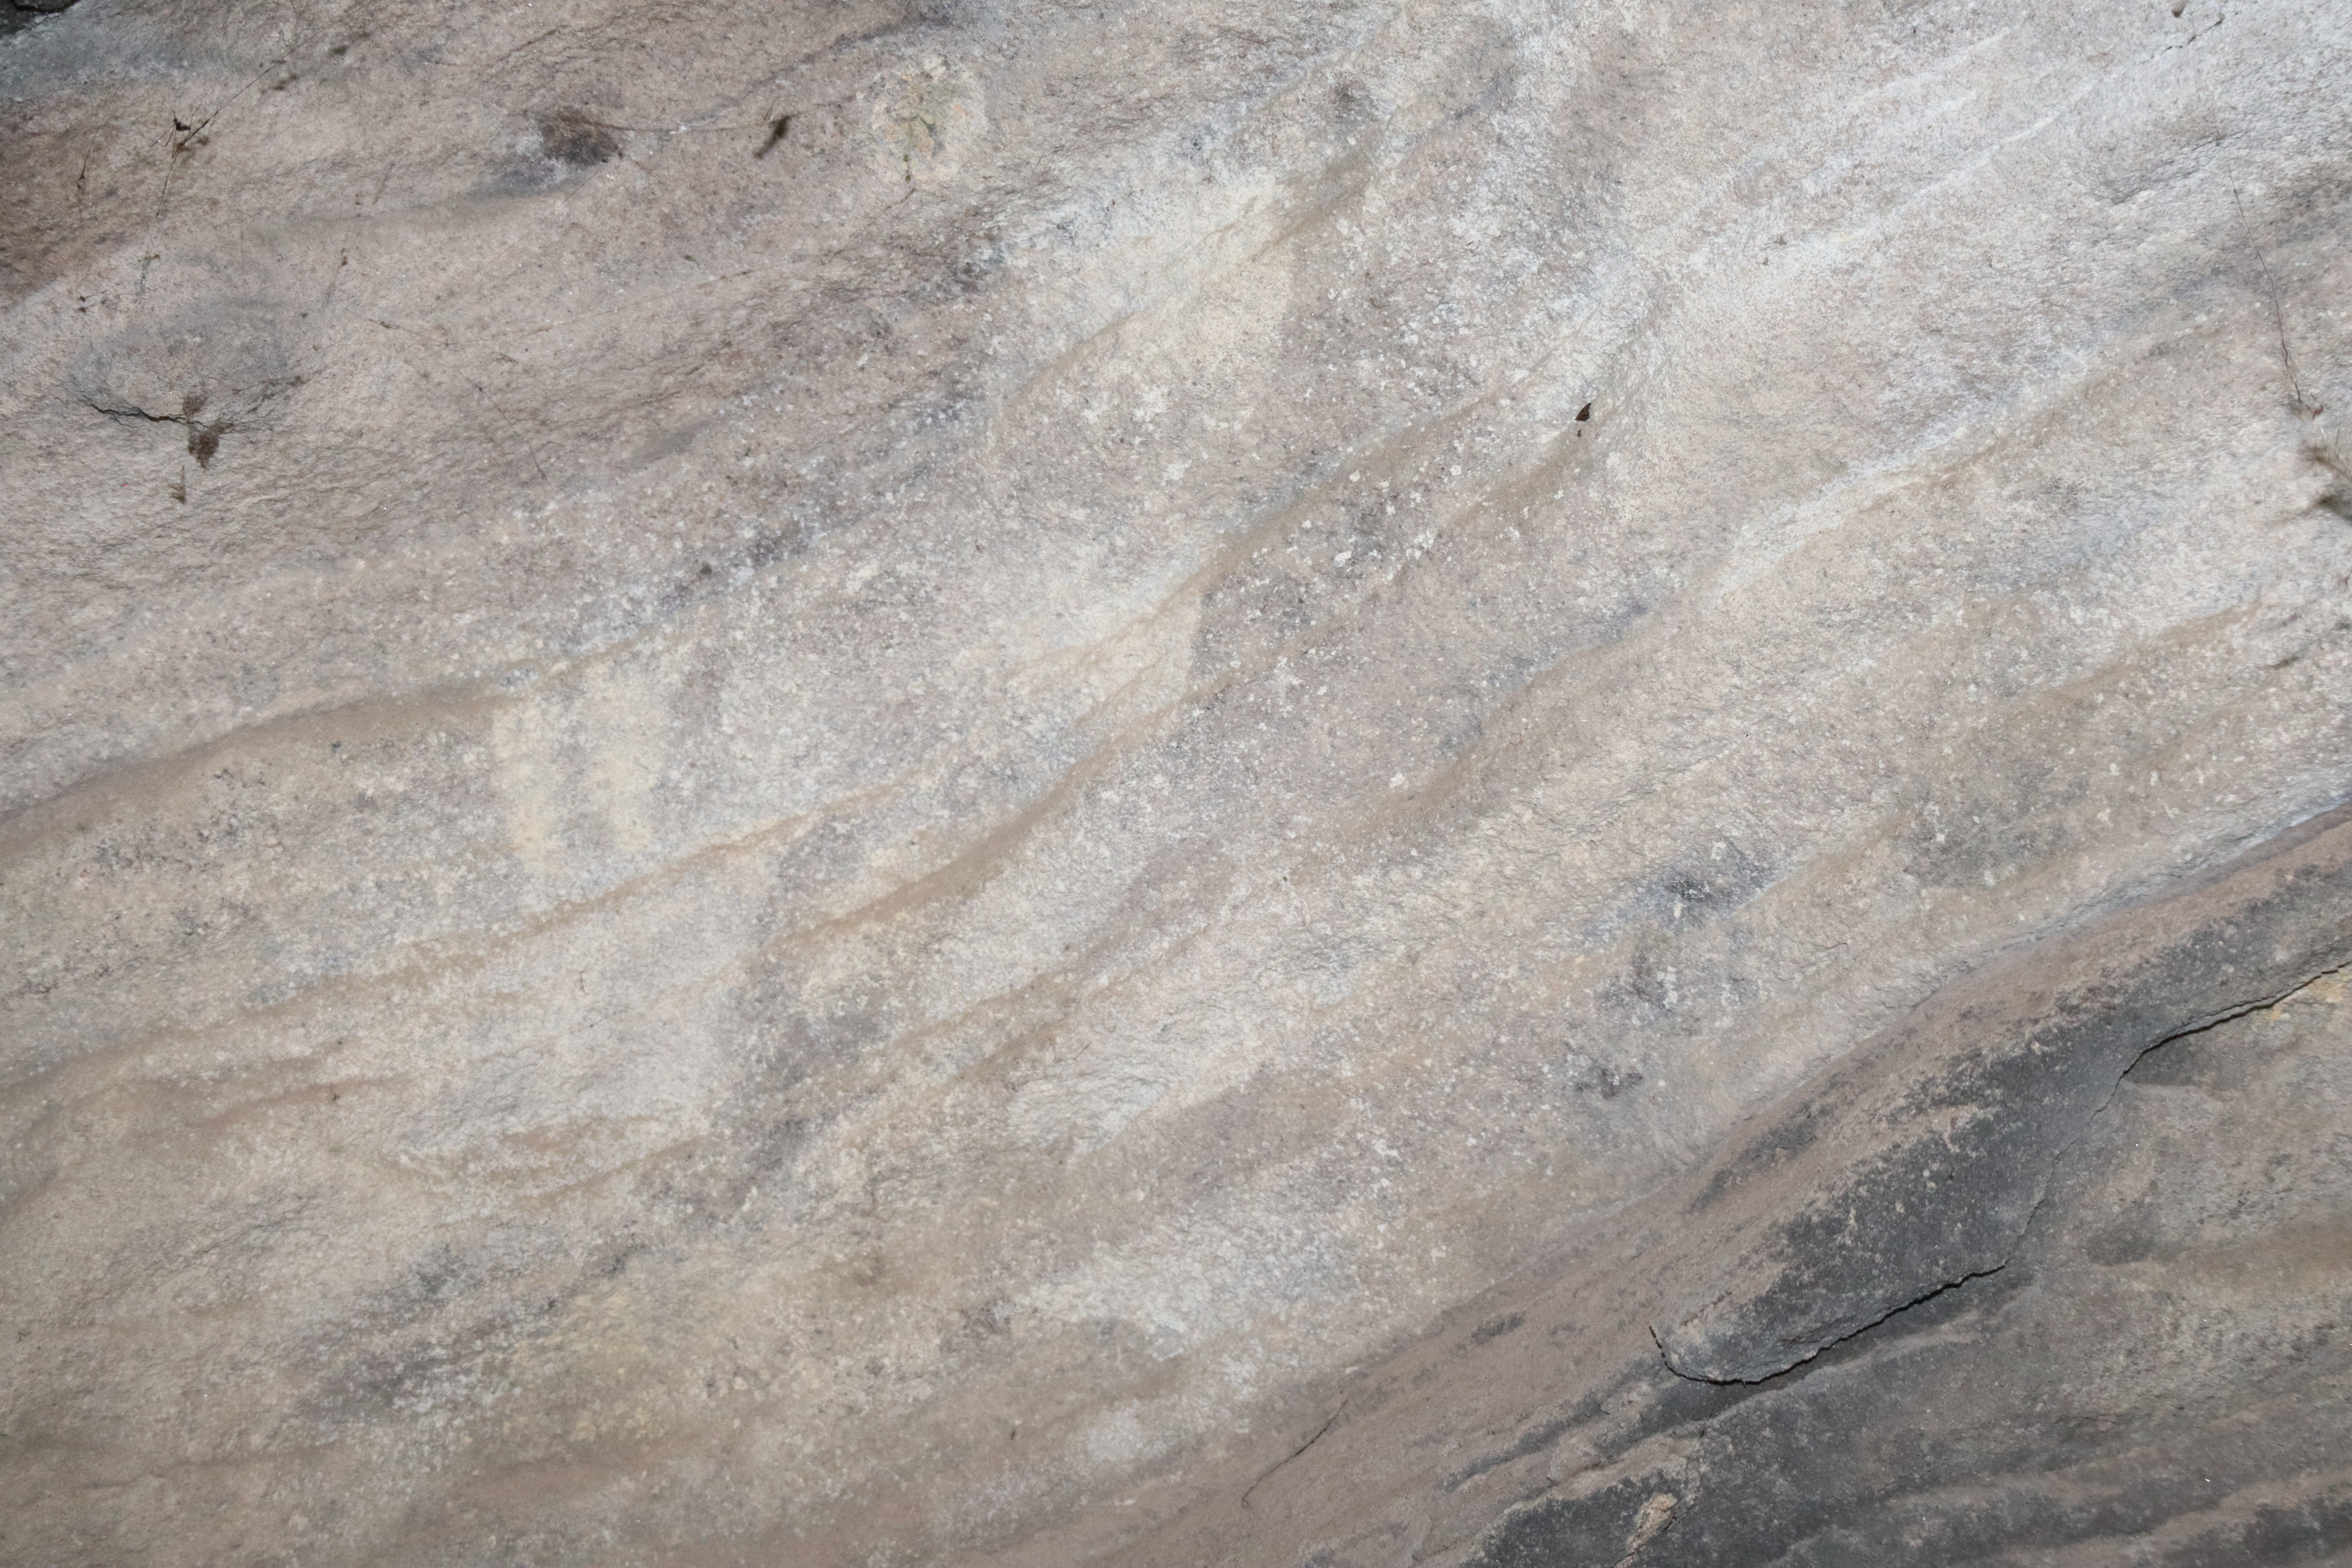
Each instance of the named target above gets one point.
<point>878,780</point>
<point>2056,1271</point>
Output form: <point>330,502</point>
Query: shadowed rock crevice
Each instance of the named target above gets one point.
<point>1916,1303</point>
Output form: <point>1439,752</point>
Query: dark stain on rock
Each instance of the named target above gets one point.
<point>204,441</point>
<point>1556,1531</point>
<point>616,1263</point>
<point>438,1274</point>
<point>1705,888</point>
<point>576,137</point>
<point>16,13</point>
<point>1594,1075</point>
<point>1646,988</point>
<point>1767,1151</point>
<point>1496,1328</point>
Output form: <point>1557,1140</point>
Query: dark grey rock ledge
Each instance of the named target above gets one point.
<point>2057,1272</point>
<point>16,13</point>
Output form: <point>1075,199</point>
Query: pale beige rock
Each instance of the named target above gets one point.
<point>802,848</point>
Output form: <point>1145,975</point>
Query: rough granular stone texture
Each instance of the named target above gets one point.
<point>829,781</point>
<point>2146,1367</point>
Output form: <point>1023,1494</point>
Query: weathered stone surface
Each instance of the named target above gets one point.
<point>2148,1367</point>
<point>826,781</point>
<point>1917,1165</point>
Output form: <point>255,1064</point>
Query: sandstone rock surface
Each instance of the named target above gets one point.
<point>826,782</point>
<point>2145,1364</point>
